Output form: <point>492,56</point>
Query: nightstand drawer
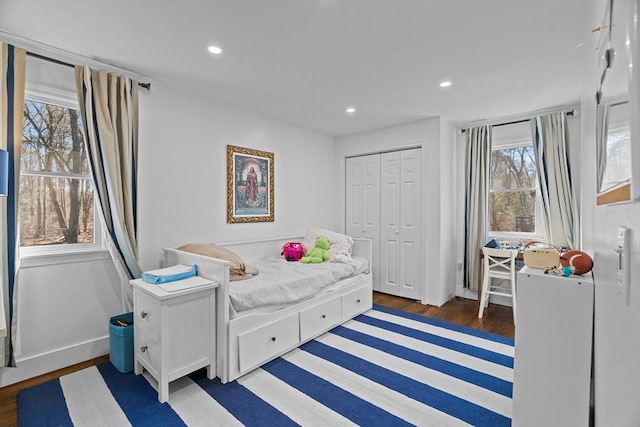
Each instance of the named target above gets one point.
<point>319,318</point>
<point>267,341</point>
<point>147,314</point>
<point>148,349</point>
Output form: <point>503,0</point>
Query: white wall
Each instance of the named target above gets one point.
<point>439,263</point>
<point>616,322</point>
<point>63,314</point>
<point>64,308</point>
<point>183,173</point>
<point>446,240</point>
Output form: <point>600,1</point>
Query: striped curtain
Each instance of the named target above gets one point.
<point>559,206</point>
<point>109,110</point>
<point>477,173</point>
<point>13,63</point>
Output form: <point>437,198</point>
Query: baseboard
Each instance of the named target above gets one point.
<point>469,294</point>
<point>466,293</point>
<point>33,366</point>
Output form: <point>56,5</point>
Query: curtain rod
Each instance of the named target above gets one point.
<point>147,86</point>
<point>569,113</point>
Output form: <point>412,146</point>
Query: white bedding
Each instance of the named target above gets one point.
<point>281,282</point>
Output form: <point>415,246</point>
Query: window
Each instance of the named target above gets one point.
<point>513,190</point>
<point>617,160</point>
<point>56,211</point>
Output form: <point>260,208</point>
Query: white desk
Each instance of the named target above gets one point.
<point>553,349</point>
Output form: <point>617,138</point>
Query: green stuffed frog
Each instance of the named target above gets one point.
<point>319,253</point>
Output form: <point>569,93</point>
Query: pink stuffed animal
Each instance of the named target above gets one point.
<point>293,251</point>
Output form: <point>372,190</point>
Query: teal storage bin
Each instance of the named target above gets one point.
<point>121,342</point>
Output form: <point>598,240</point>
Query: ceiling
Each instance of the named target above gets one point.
<point>305,61</point>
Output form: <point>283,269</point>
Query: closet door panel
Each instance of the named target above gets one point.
<point>362,204</point>
<point>411,223</point>
<point>390,223</point>
<point>390,270</point>
<point>411,282</point>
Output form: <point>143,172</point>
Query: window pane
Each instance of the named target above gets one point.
<point>618,169</point>
<point>513,168</point>
<point>55,211</point>
<point>513,211</point>
<point>56,193</point>
<point>52,140</point>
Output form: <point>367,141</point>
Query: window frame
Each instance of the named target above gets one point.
<point>538,233</point>
<point>55,254</point>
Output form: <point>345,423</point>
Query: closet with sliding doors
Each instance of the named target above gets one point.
<point>384,203</point>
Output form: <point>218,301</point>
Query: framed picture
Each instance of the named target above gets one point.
<point>249,185</point>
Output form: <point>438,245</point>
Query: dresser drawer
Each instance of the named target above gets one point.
<point>148,349</point>
<point>147,314</point>
<point>319,318</point>
<point>258,345</point>
<point>356,302</point>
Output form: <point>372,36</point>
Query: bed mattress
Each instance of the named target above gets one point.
<point>280,283</point>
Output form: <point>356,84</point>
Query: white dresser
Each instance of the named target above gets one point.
<point>174,329</point>
<point>553,349</point>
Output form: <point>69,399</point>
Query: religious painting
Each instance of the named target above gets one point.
<point>249,185</point>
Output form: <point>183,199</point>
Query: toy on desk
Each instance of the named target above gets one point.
<point>560,271</point>
<point>580,261</point>
<point>541,255</point>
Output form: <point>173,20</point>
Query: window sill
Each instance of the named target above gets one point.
<point>40,259</point>
<point>515,237</point>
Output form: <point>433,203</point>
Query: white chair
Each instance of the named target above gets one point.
<point>498,264</point>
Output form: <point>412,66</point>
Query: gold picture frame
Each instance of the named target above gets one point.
<point>250,176</point>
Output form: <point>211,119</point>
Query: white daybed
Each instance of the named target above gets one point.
<point>247,341</point>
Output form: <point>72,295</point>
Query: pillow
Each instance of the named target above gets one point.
<point>341,244</point>
<point>238,270</point>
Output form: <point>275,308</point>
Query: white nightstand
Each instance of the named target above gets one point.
<point>174,329</point>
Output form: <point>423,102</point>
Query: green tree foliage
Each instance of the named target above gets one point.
<point>513,196</point>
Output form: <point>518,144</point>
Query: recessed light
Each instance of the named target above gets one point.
<point>445,84</point>
<point>216,50</point>
<point>350,110</point>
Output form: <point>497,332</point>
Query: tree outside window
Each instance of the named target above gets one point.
<point>56,189</point>
<point>512,199</point>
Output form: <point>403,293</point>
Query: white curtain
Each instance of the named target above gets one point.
<point>477,173</point>
<point>13,65</point>
<point>109,110</point>
<point>559,206</point>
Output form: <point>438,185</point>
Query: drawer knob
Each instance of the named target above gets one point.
<point>143,348</point>
<point>273,338</point>
<point>358,301</point>
<point>143,314</point>
<point>324,316</point>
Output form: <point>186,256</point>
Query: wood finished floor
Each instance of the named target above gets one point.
<point>497,319</point>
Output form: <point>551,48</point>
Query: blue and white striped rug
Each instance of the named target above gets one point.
<point>383,368</point>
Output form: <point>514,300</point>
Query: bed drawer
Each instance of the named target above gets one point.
<point>147,314</point>
<point>265,342</point>
<point>319,318</point>
<point>356,302</point>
